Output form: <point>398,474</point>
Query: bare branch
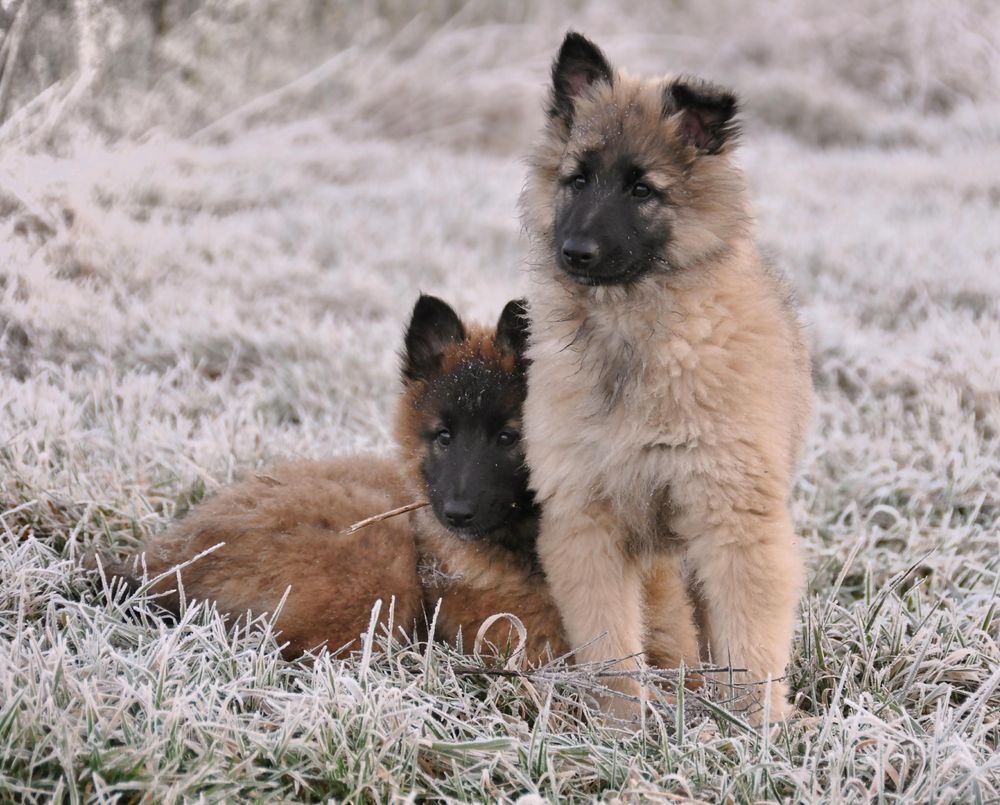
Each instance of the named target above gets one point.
<point>378,518</point>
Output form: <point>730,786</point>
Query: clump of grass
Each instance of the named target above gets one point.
<point>899,692</point>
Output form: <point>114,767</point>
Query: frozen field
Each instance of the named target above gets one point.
<point>209,240</point>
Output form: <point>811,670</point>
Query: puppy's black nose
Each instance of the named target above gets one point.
<point>580,252</point>
<point>459,513</point>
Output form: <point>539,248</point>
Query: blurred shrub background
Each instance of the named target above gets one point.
<point>828,73</point>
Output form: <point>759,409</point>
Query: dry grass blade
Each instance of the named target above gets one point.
<point>10,45</point>
<point>378,518</point>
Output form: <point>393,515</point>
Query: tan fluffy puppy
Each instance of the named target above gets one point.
<point>669,387</point>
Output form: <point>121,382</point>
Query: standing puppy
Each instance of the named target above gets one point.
<point>669,386</point>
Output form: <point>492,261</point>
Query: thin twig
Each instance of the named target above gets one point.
<point>8,54</point>
<point>717,695</point>
<point>594,670</point>
<point>378,518</point>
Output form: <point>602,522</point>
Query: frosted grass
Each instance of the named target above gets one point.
<point>207,259</point>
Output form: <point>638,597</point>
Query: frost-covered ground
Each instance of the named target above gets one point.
<point>209,240</point>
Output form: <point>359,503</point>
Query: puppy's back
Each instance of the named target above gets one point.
<point>283,528</point>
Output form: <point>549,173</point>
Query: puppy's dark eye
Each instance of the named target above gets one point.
<point>641,190</point>
<point>443,437</point>
<point>508,437</point>
<point>578,182</point>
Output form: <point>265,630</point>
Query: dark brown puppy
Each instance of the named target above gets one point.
<point>458,427</point>
<point>473,548</point>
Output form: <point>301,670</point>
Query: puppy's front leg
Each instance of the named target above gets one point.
<point>750,573</point>
<point>598,589</point>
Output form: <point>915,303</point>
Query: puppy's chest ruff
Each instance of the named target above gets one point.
<point>434,576</point>
<point>446,561</point>
<point>621,412</point>
<point>640,388</point>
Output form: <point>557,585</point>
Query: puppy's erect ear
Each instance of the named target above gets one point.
<point>579,65</point>
<point>706,112</point>
<point>433,326</point>
<point>512,328</point>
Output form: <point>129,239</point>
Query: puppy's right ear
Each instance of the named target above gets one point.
<point>579,64</point>
<point>433,326</point>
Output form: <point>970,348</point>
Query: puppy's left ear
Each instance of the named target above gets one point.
<point>512,328</point>
<point>707,113</point>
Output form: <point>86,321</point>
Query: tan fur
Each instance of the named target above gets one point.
<point>665,416</point>
<point>669,636</point>
<point>474,581</point>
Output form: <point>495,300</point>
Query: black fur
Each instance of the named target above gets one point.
<point>472,471</point>
<point>512,328</point>
<point>598,207</point>
<point>477,480</point>
<point>579,64</point>
<point>708,121</point>
<point>433,326</point>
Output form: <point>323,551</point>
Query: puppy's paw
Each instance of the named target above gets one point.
<point>780,710</point>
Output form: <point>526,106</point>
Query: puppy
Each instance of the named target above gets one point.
<point>669,385</point>
<point>472,549</point>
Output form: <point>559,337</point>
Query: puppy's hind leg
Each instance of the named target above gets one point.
<point>598,590</point>
<point>671,637</point>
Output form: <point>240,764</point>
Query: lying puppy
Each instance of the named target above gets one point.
<point>472,548</point>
